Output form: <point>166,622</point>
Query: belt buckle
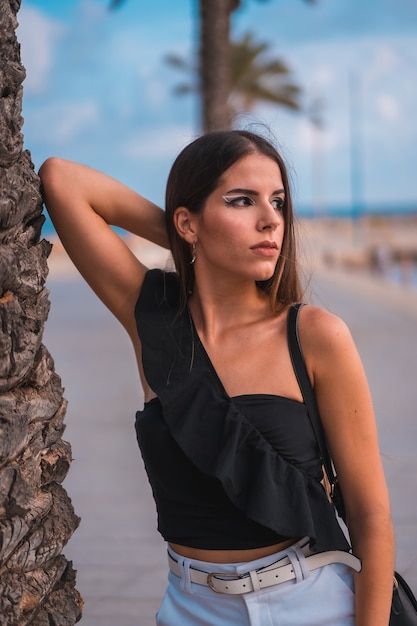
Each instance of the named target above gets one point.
<point>220,576</point>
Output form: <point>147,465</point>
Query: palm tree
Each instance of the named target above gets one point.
<point>37,583</point>
<point>253,78</point>
<point>214,63</point>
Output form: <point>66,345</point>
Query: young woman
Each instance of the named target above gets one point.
<point>224,434</point>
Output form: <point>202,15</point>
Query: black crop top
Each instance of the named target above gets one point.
<point>226,473</point>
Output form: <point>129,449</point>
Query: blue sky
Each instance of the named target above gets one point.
<point>98,91</point>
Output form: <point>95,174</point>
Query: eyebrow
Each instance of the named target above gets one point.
<point>252,192</point>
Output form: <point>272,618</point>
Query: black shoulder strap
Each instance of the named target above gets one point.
<point>310,400</point>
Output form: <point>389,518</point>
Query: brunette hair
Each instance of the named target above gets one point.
<point>195,174</point>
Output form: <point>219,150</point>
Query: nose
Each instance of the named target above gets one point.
<point>269,218</point>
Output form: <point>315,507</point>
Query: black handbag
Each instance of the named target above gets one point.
<point>404,603</point>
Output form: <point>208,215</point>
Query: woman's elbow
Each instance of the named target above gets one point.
<point>50,170</point>
<point>55,182</point>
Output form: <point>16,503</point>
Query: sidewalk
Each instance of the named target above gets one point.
<point>117,551</point>
<point>383,322</point>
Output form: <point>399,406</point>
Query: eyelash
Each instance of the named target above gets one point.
<point>234,201</point>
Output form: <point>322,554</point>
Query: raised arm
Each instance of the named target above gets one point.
<point>346,410</point>
<point>83,203</point>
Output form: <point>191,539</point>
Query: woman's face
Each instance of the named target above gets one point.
<point>241,228</point>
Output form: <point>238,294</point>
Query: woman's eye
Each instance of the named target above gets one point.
<point>239,201</point>
<point>278,203</point>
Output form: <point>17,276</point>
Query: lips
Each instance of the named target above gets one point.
<point>265,248</point>
<point>265,244</point>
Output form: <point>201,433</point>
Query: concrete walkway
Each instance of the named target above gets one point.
<point>119,556</point>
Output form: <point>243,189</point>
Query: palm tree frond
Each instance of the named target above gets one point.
<point>285,95</point>
<point>253,77</point>
<point>114,4</point>
<point>184,89</point>
<point>176,61</point>
<point>275,67</point>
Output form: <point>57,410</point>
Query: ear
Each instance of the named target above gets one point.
<point>185,223</point>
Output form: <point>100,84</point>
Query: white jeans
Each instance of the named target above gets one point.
<point>323,597</point>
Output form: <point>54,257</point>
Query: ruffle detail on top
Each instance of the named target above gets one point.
<point>217,438</point>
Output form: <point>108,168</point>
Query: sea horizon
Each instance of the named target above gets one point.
<point>334,211</point>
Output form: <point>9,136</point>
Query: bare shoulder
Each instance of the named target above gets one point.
<point>317,324</point>
<point>324,337</point>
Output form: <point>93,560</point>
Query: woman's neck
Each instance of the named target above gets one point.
<point>217,309</point>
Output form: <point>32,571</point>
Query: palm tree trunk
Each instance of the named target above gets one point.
<point>37,583</point>
<point>214,62</point>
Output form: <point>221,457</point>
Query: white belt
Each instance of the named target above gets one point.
<point>274,574</point>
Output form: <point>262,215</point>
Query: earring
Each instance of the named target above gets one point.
<point>193,245</point>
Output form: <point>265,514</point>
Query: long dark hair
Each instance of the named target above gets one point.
<point>195,174</point>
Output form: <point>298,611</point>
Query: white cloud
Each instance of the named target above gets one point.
<point>74,118</point>
<point>62,122</point>
<point>322,77</point>
<point>307,138</point>
<point>37,35</point>
<point>386,59</point>
<point>388,107</point>
<point>164,142</point>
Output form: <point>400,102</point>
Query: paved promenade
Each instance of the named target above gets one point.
<point>119,556</point>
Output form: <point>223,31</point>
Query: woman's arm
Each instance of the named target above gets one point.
<point>347,413</point>
<point>82,204</point>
